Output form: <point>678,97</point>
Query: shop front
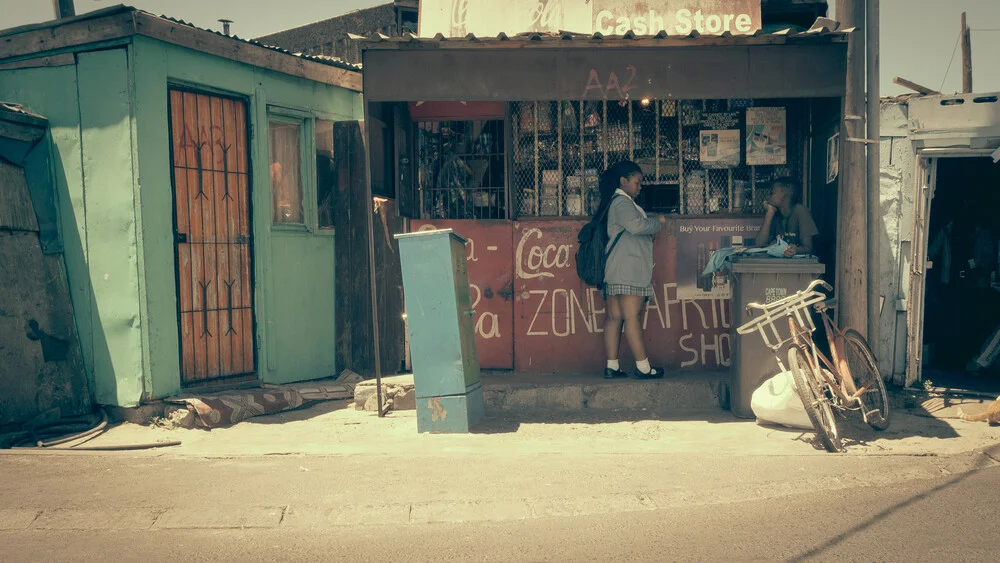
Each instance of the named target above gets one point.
<point>508,136</point>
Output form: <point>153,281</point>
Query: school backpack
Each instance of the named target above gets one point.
<point>590,255</point>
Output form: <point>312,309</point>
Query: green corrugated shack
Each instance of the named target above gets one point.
<point>196,184</point>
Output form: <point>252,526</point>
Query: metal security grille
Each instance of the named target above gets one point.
<point>462,170</point>
<point>560,148</point>
<point>212,211</point>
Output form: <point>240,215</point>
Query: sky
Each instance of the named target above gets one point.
<point>918,37</point>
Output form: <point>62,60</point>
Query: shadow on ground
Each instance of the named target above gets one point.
<point>307,411</point>
<point>854,432</point>
<point>502,422</point>
<point>988,458</point>
<point>518,399</point>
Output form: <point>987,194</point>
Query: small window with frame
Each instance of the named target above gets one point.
<point>286,171</point>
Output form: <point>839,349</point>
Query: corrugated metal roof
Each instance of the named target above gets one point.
<point>122,9</point>
<point>823,28</point>
<point>324,59</point>
<point>900,98</point>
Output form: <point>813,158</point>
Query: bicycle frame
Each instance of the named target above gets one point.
<point>845,390</point>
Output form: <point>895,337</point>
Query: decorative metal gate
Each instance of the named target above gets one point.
<point>212,235</point>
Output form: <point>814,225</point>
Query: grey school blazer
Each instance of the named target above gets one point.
<point>631,261</point>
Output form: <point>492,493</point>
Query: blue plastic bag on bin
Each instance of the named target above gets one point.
<point>777,249</point>
<point>717,262</point>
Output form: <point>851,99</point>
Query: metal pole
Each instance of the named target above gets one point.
<point>370,208</point>
<point>874,169</point>
<point>63,9</point>
<point>852,214</point>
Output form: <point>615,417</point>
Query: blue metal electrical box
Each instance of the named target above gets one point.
<point>442,335</point>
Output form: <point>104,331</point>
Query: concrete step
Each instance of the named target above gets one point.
<point>518,391</point>
<point>677,392</point>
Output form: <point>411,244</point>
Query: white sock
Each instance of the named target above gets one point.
<point>613,364</point>
<point>643,366</point>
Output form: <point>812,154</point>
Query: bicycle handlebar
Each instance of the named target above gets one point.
<point>817,283</point>
<point>786,306</point>
<point>785,300</point>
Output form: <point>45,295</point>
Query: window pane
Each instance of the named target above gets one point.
<point>326,179</point>
<point>286,173</point>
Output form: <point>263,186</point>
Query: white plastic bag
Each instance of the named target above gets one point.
<point>776,402</point>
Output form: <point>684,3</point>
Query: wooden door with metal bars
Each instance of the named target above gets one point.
<point>211,181</point>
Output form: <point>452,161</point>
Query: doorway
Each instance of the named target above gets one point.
<point>961,318</point>
<point>211,180</point>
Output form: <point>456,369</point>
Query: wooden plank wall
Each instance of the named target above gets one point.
<point>16,210</point>
<point>392,330</point>
<point>355,348</point>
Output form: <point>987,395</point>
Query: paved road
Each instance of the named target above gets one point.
<point>946,519</point>
<point>463,507</point>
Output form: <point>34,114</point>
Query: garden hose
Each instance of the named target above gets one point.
<point>55,437</point>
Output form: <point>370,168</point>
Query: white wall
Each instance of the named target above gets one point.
<point>896,159</point>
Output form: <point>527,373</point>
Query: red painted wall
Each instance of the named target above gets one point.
<point>555,323</point>
<point>491,274</point>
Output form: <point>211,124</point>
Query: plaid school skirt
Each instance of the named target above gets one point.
<point>622,289</point>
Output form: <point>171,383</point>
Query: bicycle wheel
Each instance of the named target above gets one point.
<point>864,369</point>
<point>814,400</point>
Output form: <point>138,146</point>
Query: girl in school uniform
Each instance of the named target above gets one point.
<point>628,274</point>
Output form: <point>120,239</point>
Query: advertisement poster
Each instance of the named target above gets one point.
<point>720,148</point>
<point>766,136</point>
<point>697,239</point>
<point>832,157</point>
<point>722,120</point>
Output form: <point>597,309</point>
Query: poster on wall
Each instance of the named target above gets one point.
<point>697,239</point>
<point>766,136</point>
<point>832,157</point>
<point>720,148</point>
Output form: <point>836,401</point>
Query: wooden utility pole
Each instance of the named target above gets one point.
<point>874,173</point>
<point>852,215</point>
<point>966,57</point>
<point>63,9</point>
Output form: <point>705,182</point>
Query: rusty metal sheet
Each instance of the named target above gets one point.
<point>559,321</point>
<point>554,323</point>
<point>490,262</point>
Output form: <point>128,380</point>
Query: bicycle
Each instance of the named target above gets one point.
<point>823,383</point>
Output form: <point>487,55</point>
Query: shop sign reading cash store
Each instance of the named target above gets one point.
<point>488,18</point>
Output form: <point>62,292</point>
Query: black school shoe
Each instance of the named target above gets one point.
<point>614,373</point>
<point>654,373</point>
